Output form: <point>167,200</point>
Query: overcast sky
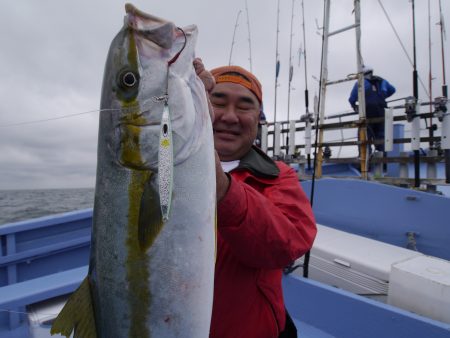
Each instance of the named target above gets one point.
<point>53,52</point>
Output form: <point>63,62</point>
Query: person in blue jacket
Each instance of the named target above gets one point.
<point>377,90</point>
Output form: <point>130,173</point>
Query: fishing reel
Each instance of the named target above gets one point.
<point>308,117</point>
<point>327,152</point>
<point>440,107</point>
<point>410,108</point>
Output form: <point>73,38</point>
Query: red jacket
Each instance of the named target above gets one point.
<point>264,223</point>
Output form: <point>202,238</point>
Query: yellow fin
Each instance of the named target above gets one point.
<point>77,315</point>
<point>150,218</point>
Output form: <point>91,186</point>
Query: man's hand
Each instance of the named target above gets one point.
<point>204,75</point>
<point>208,82</point>
<point>222,180</point>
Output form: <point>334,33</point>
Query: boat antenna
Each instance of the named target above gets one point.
<point>306,76</point>
<point>441,23</point>
<point>249,37</point>
<point>277,69</point>
<point>291,73</point>
<point>234,35</point>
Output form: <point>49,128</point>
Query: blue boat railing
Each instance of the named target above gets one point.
<point>47,257</point>
<point>33,251</point>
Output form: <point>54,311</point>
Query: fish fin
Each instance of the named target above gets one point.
<point>150,217</point>
<point>77,315</point>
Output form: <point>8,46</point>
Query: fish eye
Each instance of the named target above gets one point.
<point>129,79</point>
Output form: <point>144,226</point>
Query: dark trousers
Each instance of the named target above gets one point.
<point>290,331</point>
<point>375,131</point>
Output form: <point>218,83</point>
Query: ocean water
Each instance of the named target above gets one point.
<point>18,205</point>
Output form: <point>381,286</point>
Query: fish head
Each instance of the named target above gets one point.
<point>141,73</point>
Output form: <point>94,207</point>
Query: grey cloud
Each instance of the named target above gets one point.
<point>53,55</point>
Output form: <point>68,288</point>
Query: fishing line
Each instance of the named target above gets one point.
<point>56,118</point>
<point>142,107</point>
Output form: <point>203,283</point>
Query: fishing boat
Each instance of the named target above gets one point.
<point>372,223</point>
<point>45,259</point>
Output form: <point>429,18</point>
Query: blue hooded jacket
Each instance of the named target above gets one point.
<point>377,90</point>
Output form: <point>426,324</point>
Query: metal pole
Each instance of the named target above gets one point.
<point>361,95</point>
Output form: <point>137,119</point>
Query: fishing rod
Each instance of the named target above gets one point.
<point>249,38</point>
<point>234,35</point>
<point>401,43</point>
<point>326,21</point>
<point>444,89</point>
<point>441,23</point>
<point>430,80</point>
<point>308,121</point>
<point>277,70</point>
<point>416,96</point>
<point>291,73</point>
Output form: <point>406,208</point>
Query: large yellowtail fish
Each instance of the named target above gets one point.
<point>153,240</point>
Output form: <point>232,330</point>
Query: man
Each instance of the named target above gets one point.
<point>264,219</point>
<point>377,90</point>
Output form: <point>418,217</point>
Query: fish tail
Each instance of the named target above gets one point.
<point>77,315</point>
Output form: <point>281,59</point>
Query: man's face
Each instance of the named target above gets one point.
<point>236,111</point>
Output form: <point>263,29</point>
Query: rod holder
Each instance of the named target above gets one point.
<point>277,139</point>
<point>378,167</point>
<point>404,173</point>
<point>415,129</point>
<point>308,138</point>
<point>292,137</point>
<point>389,129</point>
<point>431,165</point>
<point>264,137</point>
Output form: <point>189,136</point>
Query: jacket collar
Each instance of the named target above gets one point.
<point>259,164</point>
